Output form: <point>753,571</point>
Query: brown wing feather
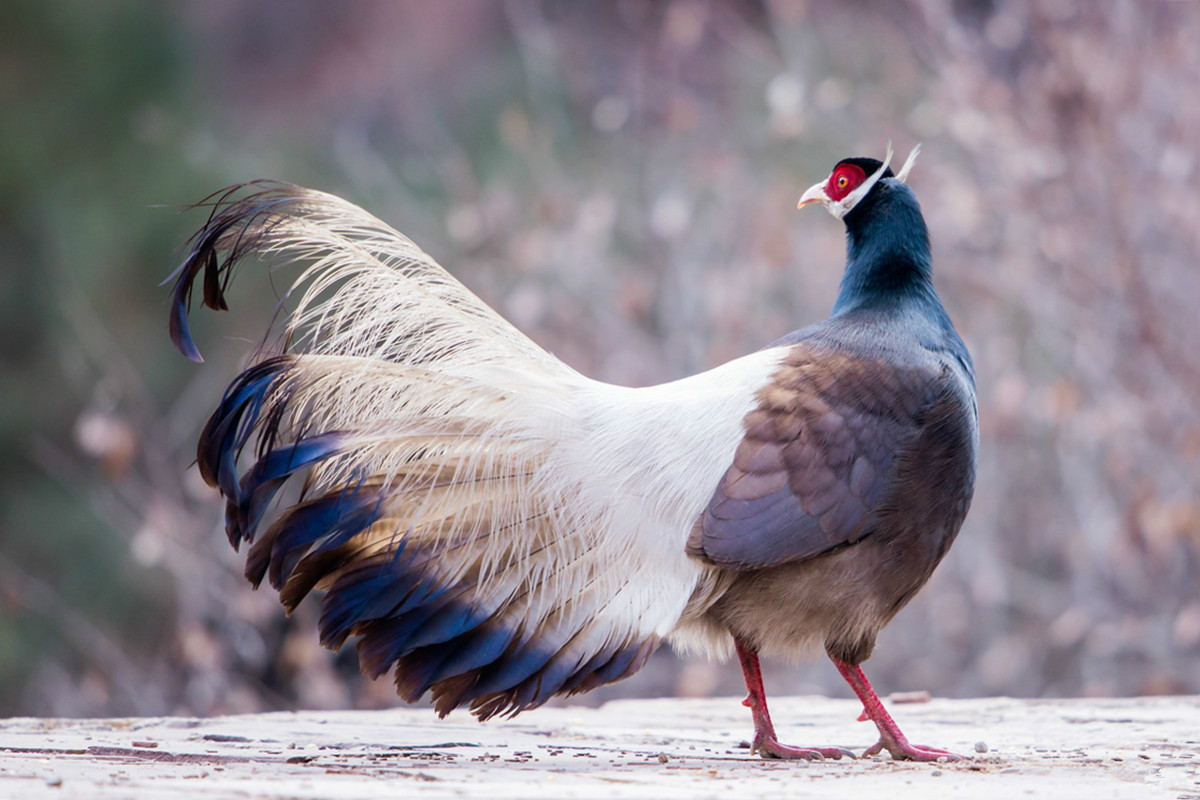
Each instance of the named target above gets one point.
<point>814,464</point>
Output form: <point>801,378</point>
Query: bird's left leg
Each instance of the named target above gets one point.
<point>765,742</point>
<point>890,736</point>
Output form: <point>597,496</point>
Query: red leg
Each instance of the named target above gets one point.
<point>890,736</point>
<point>765,743</point>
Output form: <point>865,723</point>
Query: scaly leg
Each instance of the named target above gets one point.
<point>765,743</point>
<point>890,736</point>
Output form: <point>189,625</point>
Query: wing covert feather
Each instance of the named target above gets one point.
<point>814,463</point>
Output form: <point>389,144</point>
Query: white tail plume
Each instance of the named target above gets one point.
<point>466,506</point>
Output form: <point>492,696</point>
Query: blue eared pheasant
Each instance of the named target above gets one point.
<point>496,529</point>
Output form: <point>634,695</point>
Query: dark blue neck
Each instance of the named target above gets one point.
<point>887,253</point>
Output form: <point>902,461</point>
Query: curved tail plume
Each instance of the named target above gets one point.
<point>447,499</point>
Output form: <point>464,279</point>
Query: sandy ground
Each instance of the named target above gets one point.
<point>1133,748</point>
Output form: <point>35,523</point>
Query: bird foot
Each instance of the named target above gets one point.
<point>890,737</point>
<point>769,747</point>
<point>903,750</point>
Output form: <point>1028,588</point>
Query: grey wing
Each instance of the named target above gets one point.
<point>813,466</point>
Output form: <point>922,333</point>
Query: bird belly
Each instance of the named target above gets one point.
<point>794,611</point>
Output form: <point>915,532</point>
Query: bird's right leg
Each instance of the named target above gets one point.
<point>890,736</point>
<point>765,742</point>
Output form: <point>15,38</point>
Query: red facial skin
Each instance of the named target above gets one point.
<point>844,179</point>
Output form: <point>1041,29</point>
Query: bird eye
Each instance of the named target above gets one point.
<point>844,180</point>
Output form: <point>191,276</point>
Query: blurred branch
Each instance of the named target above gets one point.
<point>95,646</point>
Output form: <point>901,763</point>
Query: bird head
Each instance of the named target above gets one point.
<point>851,180</point>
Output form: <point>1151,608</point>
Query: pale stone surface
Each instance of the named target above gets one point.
<point>1128,748</point>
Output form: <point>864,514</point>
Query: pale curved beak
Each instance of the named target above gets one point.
<point>815,194</point>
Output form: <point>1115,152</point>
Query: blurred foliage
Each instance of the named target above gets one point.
<point>619,179</point>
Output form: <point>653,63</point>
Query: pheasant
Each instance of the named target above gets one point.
<point>497,529</point>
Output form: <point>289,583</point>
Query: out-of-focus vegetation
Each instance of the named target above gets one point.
<point>619,179</point>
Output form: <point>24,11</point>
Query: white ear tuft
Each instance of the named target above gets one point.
<point>902,176</point>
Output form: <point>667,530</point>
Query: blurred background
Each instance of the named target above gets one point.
<point>620,180</point>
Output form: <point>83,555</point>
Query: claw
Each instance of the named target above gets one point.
<point>771,748</point>
<point>904,751</point>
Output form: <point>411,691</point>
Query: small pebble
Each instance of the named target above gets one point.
<point>937,773</point>
<point>981,747</point>
<point>663,758</point>
<point>54,781</point>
